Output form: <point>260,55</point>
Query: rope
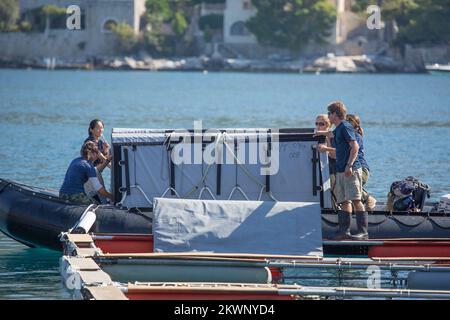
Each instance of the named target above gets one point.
<point>221,138</point>
<point>209,191</point>
<point>255,180</point>
<point>238,189</point>
<point>124,195</point>
<point>205,187</point>
<point>270,194</point>
<point>170,189</point>
<point>205,174</point>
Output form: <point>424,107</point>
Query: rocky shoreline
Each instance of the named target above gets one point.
<point>325,64</point>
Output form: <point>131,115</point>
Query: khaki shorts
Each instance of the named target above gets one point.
<point>348,188</point>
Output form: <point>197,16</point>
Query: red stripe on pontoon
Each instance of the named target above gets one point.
<point>411,250</point>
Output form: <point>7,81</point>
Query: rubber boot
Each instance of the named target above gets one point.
<point>362,222</point>
<point>343,233</point>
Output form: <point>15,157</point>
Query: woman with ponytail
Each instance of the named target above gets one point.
<point>355,121</point>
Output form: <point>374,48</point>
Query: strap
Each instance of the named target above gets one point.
<point>127,171</point>
<point>172,170</point>
<point>321,189</point>
<point>218,178</point>
<point>269,155</point>
<point>116,175</point>
<point>314,171</point>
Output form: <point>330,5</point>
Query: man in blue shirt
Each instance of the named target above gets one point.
<point>348,188</point>
<point>80,171</point>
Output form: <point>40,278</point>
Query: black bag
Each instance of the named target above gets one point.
<point>408,194</point>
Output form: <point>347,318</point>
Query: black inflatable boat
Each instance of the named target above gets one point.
<point>36,217</point>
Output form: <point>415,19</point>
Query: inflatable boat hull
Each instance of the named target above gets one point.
<point>36,218</point>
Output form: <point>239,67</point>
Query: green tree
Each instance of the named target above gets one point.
<point>52,10</point>
<point>9,13</point>
<point>425,22</point>
<point>419,21</point>
<point>172,12</point>
<point>292,24</point>
<point>126,37</point>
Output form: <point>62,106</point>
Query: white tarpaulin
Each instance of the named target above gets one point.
<point>259,227</point>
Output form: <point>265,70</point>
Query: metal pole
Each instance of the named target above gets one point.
<point>332,265</point>
<point>359,292</point>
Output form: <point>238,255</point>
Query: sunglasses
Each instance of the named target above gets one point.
<point>330,113</point>
<point>320,123</point>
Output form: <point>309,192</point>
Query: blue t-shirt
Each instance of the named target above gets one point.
<point>361,151</point>
<point>343,134</point>
<point>79,171</point>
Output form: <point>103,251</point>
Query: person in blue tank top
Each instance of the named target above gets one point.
<point>355,121</point>
<point>80,171</point>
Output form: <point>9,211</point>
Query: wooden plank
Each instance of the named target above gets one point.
<point>106,293</point>
<point>79,238</point>
<point>87,252</point>
<point>91,277</point>
<point>86,264</point>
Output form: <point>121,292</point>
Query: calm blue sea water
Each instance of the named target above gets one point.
<point>44,117</point>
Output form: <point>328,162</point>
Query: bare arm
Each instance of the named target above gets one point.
<point>331,151</point>
<point>353,152</point>
<point>105,163</point>
<point>328,134</point>
<point>102,166</point>
<point>102,191</point>
<point>352,158</point>
<point>99,188</point>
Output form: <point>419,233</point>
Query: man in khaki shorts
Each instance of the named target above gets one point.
<point>348,188</point>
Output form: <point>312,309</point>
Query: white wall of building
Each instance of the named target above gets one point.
<point>238,11</point>
<point>211,8</point>
<point>94,40</point>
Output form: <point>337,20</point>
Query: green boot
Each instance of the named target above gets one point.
<point>343,233</point>
<point>362,221</point>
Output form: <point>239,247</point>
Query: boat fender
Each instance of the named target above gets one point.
<point>86,222</point>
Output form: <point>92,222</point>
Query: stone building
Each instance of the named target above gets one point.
<point>346,35</point>
<point>95,39</point>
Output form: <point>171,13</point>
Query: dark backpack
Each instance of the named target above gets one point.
<point>408,194</point>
